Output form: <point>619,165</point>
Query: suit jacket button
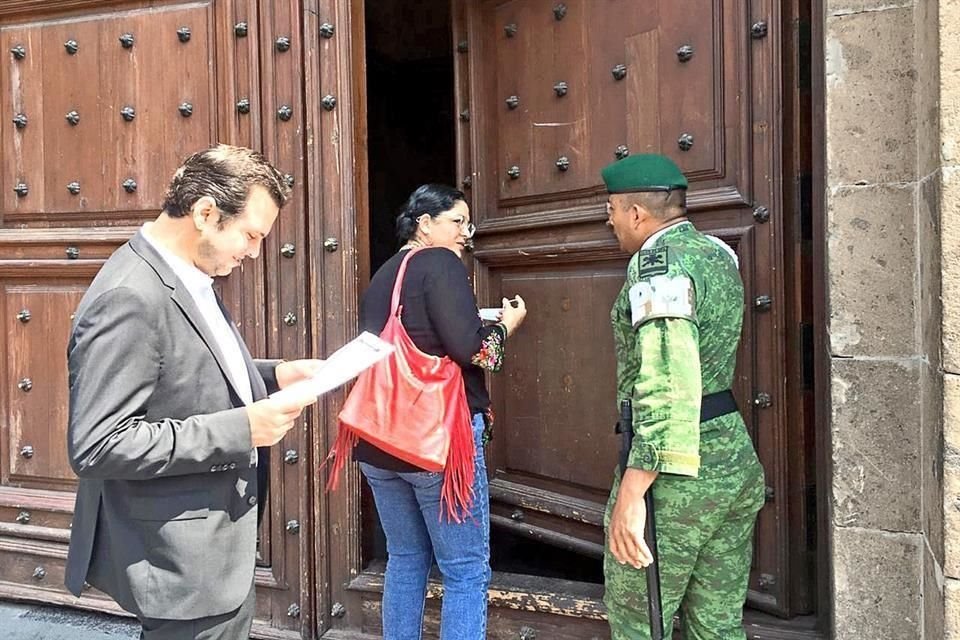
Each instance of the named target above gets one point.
<point>233,465</point>
<point>252,501</point>
<point>213,469</point>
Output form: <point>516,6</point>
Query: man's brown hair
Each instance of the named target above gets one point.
<point>226,174</point>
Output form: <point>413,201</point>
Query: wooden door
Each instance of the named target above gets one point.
<point>555,91</point>
<point>100,102</point>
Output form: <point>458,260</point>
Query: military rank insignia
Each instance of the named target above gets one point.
<point>662,297</point>
<point>652,262</point>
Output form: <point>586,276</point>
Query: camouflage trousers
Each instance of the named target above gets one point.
<point>705,539</point>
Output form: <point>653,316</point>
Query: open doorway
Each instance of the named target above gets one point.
<point>410,129</point>
<point>410,119</point>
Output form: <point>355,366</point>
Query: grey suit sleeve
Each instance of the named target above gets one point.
<point>268,371</point>
<point>114,365</point>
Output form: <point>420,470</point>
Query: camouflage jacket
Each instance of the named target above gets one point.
<point>676,326</point>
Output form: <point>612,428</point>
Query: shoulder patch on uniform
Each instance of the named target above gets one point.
<point>653,262</point>
<point>662,297</point>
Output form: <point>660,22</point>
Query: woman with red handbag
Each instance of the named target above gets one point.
<point>429,513</point>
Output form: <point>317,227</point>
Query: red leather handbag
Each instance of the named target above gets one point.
<point>412,405</point>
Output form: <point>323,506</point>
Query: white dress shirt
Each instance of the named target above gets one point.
<point>200,286</point>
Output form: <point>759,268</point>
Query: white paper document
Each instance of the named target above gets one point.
<point>345,364</point>
<point>491,314</point>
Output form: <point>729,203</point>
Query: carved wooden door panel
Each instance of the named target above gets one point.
<point>552,92</point>
<point>100,102</point>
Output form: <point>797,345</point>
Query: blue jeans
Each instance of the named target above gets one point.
<point>409,509</point>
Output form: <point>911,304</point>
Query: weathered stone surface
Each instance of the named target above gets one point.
<point>931,458</point>
<point>844,7</point>
<point>933,596</point>
<point>876,585</point>
<point>950,286</point>
<point>876,444</point>
<point>928,243</point>
<point>870,103</point>
<point>949,82</point>
<point>927,56</point>
<point>871,264</point>
<point>951,597</point>
<point>951,475</point>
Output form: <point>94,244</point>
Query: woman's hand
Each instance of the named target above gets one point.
<point>512,316</point>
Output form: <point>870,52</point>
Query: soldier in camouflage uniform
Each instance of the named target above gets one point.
<point>676,326</point>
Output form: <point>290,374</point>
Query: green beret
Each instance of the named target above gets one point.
<point>643,172</point>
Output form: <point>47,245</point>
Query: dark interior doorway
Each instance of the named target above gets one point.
<point>410,129</point>
<point>410,117</point>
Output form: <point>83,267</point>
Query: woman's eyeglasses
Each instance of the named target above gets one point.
<point>467,227</point>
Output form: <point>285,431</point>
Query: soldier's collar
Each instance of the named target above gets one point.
<point>656,236</point>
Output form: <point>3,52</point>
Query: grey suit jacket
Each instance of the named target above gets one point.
<point>166,511</point>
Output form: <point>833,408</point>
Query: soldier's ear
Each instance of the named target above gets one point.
<point>638,214</point>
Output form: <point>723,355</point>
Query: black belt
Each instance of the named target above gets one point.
<point>712,406</point>
<point>717,404</point>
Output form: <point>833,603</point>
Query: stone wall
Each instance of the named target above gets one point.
<point>949,185</point>
<point>883,191</point>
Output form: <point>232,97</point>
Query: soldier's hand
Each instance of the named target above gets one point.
<point>270,419</point>
<point>629,519</point>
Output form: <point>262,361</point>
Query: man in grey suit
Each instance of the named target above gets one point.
<point>167,409</point>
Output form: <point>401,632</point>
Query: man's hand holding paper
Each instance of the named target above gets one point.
<point>342,366</point>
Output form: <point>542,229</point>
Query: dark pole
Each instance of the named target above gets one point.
<point>654,605</point>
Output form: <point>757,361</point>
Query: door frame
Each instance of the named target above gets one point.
<point>337,222</point>
<point>341,207</point>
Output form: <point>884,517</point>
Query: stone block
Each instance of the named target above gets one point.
<point>951,521</point>
<point>931,457</point>
<point>876,433</point>
<point>871,266</point>
<point>877,585</point>
<point>846,7</point>
<point>950,261</point>
<point>930,254</point>
<point>951,418</point>
<point>933,597</point>
<point>951,475</point>
<point>949,82</point>
<point>951,605</point>
<point>927,56</point>
<point>870,103</point>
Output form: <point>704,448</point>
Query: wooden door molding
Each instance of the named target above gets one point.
<point>338,260</point>
<point>33,8</point>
